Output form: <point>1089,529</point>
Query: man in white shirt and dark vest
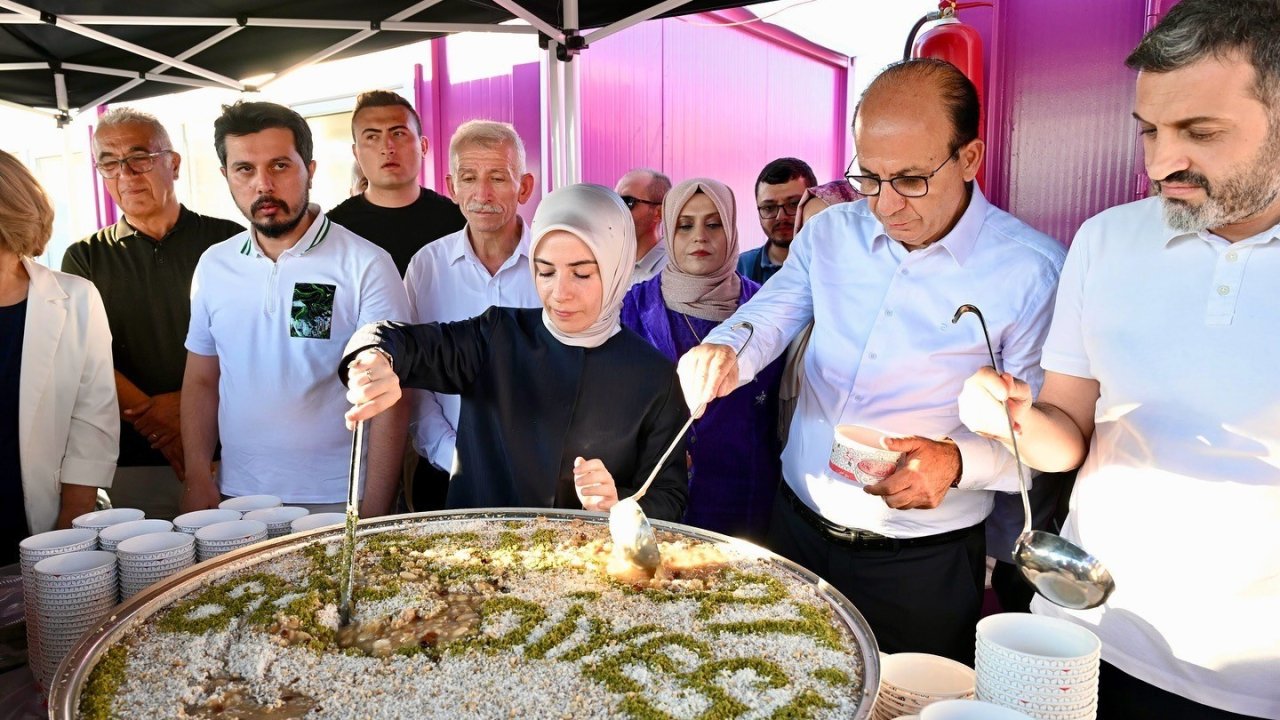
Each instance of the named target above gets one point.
<point>271,310</point>
<point>459,276</point>
<point>880,279</point>
<point>1159,377</point>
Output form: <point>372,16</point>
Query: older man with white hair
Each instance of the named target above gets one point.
<point>462,274</point>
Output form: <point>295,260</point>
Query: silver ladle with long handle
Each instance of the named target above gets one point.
<point>348,557</point>
<point>632,534</point>
<point>1062,572</point>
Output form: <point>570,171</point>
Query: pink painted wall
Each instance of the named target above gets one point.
<point>693,100</point>
<point>1062,145</point>
<point>676,96</point>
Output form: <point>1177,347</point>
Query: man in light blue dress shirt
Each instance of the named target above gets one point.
<point>881,279</point>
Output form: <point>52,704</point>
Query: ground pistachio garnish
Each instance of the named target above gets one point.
<point>99,692</point>
<point>478,619</point>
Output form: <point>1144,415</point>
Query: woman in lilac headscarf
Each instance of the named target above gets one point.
<point>733,448</point>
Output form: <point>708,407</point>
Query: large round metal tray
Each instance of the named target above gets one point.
<point>73,672</point>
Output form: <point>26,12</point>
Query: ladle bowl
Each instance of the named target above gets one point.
<point>632,535</point>
<point>1062,572</point>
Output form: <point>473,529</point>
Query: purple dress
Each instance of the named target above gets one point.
<point>734,446</point>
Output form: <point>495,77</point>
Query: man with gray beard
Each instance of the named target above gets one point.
<point>464,273</point>
<point>1159,379</point>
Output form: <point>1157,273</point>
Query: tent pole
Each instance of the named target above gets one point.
<point>572,124</point>
<point>556,115</point>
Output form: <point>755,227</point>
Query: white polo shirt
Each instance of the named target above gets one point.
<point>278,330</point>
<point>446,282</point>
<point>1180,493</point>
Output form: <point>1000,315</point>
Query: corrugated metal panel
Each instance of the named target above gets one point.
<point>621,81</point>
<point>682,97</point>
<point>1061,133</point>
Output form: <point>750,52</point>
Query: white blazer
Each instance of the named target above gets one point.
<point>68,419</point>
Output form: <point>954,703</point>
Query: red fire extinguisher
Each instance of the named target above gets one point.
<point>957,43</point>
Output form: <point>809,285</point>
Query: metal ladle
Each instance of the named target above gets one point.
<point>632,534</point>
<point>1062,572</point>
<point>348,557</point>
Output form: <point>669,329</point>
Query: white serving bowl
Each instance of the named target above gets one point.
<point>111,537</point>
<point>76,566</point>
<point>192,521</point>
<point>56,542</point>
<point>318,520</point>
<point>227,532</point>
<point>100,519</point>
<point>928,677</point>
<point>154,546</point>
<point>1037,640</point>
<point>245,503</point>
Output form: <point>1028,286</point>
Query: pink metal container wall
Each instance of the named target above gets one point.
<point>1062,144</point>
<point>676,95</point>
<point>693,99</point>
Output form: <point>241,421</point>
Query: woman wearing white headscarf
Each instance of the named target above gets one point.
<point>552,396</point>
<point>734,453</point>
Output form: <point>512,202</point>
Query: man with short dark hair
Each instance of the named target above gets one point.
<point>271,310</point>
<point>643,190</point>
<point>778,190</point>
<point>1159,381</point>
<point>394,212</point>
<point>880,279</point>
<point>142,266</point>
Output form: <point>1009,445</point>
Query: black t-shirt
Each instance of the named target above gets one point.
<point>13,514</point>
<point>400,231</point>
<point>146,287</point>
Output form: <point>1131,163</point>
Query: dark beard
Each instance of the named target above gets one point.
<point>275,228</point>
<point>1230,200</point>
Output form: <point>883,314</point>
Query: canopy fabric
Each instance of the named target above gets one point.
<point>64,64</point>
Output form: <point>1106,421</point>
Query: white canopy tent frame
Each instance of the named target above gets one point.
<point>561,111</point>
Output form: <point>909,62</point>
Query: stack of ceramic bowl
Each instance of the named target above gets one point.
<point>148,559</point>
<point>911,681</point>
<point>218,538</point>
<point>1043,667</point>
<point>100,519</point>
<point>318,520</point>
<point>72,594</point>
<point>969,710</point>
<point>110,537</point>
<point>31,551</point>
<point>190,522</point>
<point>278,519</point>
<point>245,503</point>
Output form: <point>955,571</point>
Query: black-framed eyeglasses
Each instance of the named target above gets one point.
<point>631,202</point>
<point>769,212</point>
<point>908,186</point>
<point>138,164</point>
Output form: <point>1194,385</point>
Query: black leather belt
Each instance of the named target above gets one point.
<point>857,539</point>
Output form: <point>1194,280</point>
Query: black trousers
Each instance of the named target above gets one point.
<point>916,599</point>
<point>1124,697</point>
<point>430,486</point>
